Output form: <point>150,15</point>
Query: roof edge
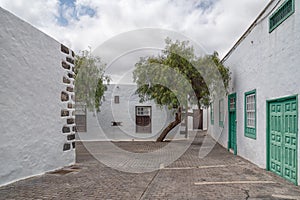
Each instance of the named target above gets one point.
<point>24,21</point>
<point>247,31</point>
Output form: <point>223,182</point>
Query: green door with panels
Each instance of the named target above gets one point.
<point>283,137</point>
<point>232,123</point>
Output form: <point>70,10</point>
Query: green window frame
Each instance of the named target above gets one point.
<point>250,114</point>
<point>281,14</point>
<point>212,113</point>
<point>221,112</point>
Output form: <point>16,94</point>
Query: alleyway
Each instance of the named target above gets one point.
<point>220,175</point>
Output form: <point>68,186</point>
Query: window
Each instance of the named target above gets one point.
<point>232,104</point>
<point>212,113</point>
<point>114,123</point>
<point>117,99</point>
<point>221,113</point>
<point>250,114</point>
<point>281,14</point>
<point>143,111</point>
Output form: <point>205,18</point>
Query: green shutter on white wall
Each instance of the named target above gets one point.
<point>281,14</point>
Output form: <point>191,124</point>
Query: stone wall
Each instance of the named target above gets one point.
<point>68,98</point>
<point>37,101</point>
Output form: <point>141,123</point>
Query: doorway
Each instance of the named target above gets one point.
<point>282,137</point>
<point>143,119</point>
<point>197,119</point>
<point>232,123</point>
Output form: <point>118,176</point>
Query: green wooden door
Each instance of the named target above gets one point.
<point>232,123</point>
<point>275,123</point>
<point>283,130</point>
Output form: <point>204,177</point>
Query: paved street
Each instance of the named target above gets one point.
<point>220,175</point>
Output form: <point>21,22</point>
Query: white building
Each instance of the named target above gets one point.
<point>36,101</point>
<point>123,117</point>
<point>262,116</point>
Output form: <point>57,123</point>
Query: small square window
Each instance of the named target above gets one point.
<point>117,99</point>
<point>114,123</point>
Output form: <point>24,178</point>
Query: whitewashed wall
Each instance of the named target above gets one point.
<point>269,63</point>
<point>219,133</point>
<point>99,124</point>
<point>31,82</point>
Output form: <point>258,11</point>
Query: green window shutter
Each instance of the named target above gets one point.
<point>250,114</point>
<point>281,14</point>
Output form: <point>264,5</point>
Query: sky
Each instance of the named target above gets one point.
<point>88,23</point>
<point>82,24</point>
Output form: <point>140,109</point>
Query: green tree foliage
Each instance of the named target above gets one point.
<point>90,80</point>
<point>177,76</point>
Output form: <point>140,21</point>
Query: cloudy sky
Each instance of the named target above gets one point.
<point>80,24</point>
<point>83,23</point>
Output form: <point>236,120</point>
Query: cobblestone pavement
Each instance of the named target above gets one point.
<point>220,175</point>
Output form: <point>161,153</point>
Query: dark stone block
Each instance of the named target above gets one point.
<point>64,96</point>
<point>73,54</point>
<point>74,129</point>
<point>70,75</point>
<point>64,49</point>
<point>67,147</point>
<point>70,105</point>
<point>65,65</point>
<point>66,129</point>
<point>70,89</point>
<point>64,113</point>
<point>70,60</point>
<point>71,137</point>
<point>70,121</point>
<point>73,145</point>
<point>66,80</point>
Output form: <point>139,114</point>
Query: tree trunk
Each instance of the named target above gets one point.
<point>170,126</point>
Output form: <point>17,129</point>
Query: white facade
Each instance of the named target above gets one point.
<point>270,64</point>
<point>31,82</point>
<point>99,125</point>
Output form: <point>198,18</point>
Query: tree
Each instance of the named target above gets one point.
<point>89,80</point>
<point>177,77</point>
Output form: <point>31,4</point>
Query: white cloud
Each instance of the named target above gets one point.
<point>40,13</point>
<point>217,28</point>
